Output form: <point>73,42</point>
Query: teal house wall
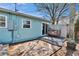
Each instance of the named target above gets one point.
<point>14,22</point>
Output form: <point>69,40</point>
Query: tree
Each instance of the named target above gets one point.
<point>77,30</point>
<point>71,44</point>
<point>53,10</point>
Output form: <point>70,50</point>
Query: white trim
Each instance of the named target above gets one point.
<point>42,27</point>
<point>27,20</point>
<point>5,21</point>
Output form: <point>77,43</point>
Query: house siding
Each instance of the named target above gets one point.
<point>20,34</point>
<point>5,36</point>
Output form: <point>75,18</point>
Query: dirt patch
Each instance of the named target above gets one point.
<point>33,48</point>
<point>37,48</point>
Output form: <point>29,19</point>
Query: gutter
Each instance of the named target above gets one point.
<point>22,14</point>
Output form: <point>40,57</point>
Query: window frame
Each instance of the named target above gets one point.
<point>26,20</point>
<point>5,21</point>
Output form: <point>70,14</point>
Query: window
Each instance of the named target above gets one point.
<point>3,22</point>
<point>26,23</point>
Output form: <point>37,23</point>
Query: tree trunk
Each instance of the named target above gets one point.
<point>70,49</point>
<point>53,21</point>
<point>57,22</point>
<point>71,40</point>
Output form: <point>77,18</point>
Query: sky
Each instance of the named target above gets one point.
<point>28,8</point>
<point>77,7</point>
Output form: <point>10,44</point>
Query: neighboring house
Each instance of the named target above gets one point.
<point>64,20</point>
<point>19,27</point>
<point>64,24</point>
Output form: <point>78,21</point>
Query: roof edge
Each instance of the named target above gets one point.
<point>22,14</point>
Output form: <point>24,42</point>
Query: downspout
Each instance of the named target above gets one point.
<point>13,27</point>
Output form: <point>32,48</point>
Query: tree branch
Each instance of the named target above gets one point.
<point>62,10</point>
